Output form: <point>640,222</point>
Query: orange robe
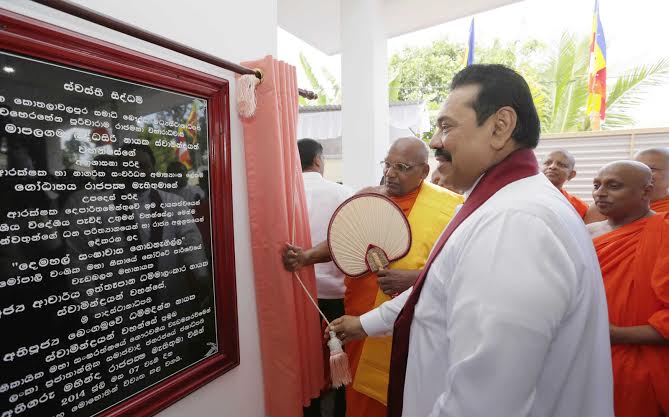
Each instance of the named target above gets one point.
<point>579,205</point>
<point>661,205</point>
<point>635,267</point>
<point>359,299</point>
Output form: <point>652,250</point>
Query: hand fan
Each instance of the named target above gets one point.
<point>367,232</point>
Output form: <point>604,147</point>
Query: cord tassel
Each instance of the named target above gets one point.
<point>340,372</point>
<point>246,95</point>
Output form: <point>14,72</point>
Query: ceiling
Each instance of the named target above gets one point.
<point>317,22</point>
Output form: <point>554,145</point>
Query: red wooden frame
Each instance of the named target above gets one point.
<point>31,37</point>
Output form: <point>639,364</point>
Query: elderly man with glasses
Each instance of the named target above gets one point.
<point>428,208</point>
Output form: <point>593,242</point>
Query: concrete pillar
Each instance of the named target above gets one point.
<point>364,83</point>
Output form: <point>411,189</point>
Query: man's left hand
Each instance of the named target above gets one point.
<point>395,281</point>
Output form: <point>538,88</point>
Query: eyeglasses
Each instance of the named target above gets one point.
<point>397,166</point>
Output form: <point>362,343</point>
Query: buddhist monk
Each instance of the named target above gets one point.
<point>428,208</point>
<point>559,168</point>
<point>633,249</point>
<point>657,159</point>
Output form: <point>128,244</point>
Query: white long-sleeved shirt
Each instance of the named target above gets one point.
<point>512,319</point>
<point>323,197</point>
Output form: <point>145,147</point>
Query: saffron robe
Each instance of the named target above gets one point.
<point>428,210</point>
<point>661,205</point>
<point>635,268</point>
<point>580,206</point>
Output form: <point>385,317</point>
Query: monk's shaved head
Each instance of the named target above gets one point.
<point>657,159</point>
<point>660,151</point>
<point>567,156</point>
<point>622,190</point>
<point>405,166</point>
<point>635,172</point>
<point>412,147</point>
<point>558,167</point>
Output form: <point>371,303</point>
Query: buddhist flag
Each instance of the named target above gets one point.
<point>597,72</point>
<point>468,58</point>
<point>190,132</point>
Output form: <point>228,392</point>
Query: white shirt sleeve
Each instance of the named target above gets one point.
<point>508,294</point>
<point>380,321</point>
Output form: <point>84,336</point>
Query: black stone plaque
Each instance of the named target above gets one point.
<point>107,284</point>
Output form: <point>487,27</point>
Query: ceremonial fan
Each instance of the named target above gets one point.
<point>366,233</point>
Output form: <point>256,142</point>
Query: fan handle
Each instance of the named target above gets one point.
<point>376,258</point>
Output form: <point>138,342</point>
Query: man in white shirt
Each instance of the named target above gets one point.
<point>509,317</point>
<point>323,197</point>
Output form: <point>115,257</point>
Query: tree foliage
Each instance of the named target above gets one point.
<point>558,79</point>
<point>425,73</point>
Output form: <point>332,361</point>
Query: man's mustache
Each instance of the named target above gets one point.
<point>443,153</point>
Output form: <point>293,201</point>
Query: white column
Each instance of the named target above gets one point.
<point>364,83</point>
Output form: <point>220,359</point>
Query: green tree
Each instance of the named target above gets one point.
<point>558,80</point>
<point>425,73</point>
<point>629,89</point>
<point>323,97</point>
<point>566,84</point>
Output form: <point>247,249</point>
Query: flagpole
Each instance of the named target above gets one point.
<point>595,122</point>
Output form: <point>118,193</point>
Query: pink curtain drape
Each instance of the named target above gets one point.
<point>290,335</point>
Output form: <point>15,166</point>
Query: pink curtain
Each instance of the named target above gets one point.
<point>290,335</point>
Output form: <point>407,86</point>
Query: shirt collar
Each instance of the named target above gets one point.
<point>311,175</point>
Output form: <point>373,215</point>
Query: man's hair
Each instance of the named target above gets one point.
<point>309,149</point>
<point>501,86</point>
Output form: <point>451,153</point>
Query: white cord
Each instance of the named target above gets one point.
<point>292,240</point>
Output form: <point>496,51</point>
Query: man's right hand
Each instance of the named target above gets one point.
<point>293,257</point>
